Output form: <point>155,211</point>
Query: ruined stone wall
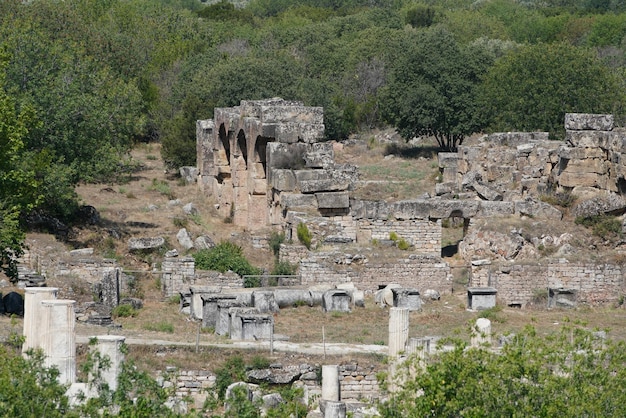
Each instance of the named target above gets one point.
<point>179,273</point>
<point>357,383</point>
<point>369,274</point>
<point>423,234</point>
<point>521,283</point>
<point>511,166</point>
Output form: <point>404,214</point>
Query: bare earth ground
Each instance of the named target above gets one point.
<point>142,207</point>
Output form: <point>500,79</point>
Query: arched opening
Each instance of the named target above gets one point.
<point>242,146</point>
<point>225,148</point>
<point>453,230</point>
<point>260,156</point>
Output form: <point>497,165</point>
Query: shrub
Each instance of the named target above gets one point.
<point>304,235</point>
<point>232,371</point>
<point>276,238</point>
<point>123,311</point>
<point>403,244</point>
<point>393,236</point>
<point>223,257</point>
<point>601,225</point>
<point>284,268</point>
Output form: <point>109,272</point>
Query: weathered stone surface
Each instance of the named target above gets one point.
<point>321,155</point>
<point>184,239</point>
<point>441,209</point>
<point>283,180</point>
<point>297,200</point>
<point>136,244</point>
<point>189,174</point>
<point>190,209</point>
<point>537,209</point>
<point>487,193</point>
<point>515,138</point>
<point>313,186</point>
<point>280,376</point>
<point>603,203</point>
<point>337,200</point>
<point>203,242</point>
<point>336,301</point>
<point>588,121</point>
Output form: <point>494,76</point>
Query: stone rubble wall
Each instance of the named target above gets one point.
<point>357,383</point>
<point>520,283</point>
<point>413,270</point>
<point>423,234</point>
<point>517,164</point>
<point>179,274</point>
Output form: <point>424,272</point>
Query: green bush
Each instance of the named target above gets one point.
<point>284,268</point>
<point>276,238</point>
<point>601,225</point>
<point>304,235</point>
<point>123,311</point>
<point>223,257</point>
<point>233,370</point>
<point>403,244</point>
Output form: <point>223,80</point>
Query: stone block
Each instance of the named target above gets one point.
<point>209,308</point>
<point>283,180</point>
<point>330,185</point>
<point>589,139</point>
<point>589,122</point>
<point>561,298</point>
<point>297,200</point>
<point>321,155</point>
<point>336,200</point>
<point>480,298</point>
<point>487,193</point>
<point>454,208</point>
<point>264,301</point>
<point>336,300</point>
<point>410,209</point>
<point>250,325</point>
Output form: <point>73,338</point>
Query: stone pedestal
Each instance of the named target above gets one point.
<point>195,302</point>
<point>330,383</point>
<point>59,339</point>
<point>110,346</point>
<point>209,308</point>
<point>479,298</point>
<point>398,331</point>
<point>249,324</point>
<point>336,300</point>
<point>33,315</point>
<point>222,324</point>
<point>481,333</point>
<point>407,298</point>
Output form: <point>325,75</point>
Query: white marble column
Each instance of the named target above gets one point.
<point>33,315</point>
<point>330,383</point>
<point>481,333</point>
<point>398,331</point>
<point>110,346</point>
<point>58,337</point>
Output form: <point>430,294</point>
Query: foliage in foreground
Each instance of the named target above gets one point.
<point>573,373</point>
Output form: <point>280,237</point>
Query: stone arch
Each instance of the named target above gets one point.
<point>223,144</point>
<point>242,146</point>
<point>260,157</point>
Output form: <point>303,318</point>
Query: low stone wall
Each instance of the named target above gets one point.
<point>594,284</point>
<point>179,274</point>
<point>369,274</point>
<point>357,383</point>
<point>423,234</point>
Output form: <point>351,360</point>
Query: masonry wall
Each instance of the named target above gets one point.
<point>423,234</point>
<point>369,274</point>
<point>518,284</point>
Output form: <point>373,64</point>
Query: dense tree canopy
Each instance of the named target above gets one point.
<point>533,87</point>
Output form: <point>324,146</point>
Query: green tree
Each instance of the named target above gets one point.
<point>572,373</point>
<point>432,88</point>
<point>532,88</point>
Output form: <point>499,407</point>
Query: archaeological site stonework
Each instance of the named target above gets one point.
<point>266,167</point>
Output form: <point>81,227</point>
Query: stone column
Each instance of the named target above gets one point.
<point>419,346</point>
<point>481,333</point>
<point>110,346</point>
<point>330,383</point>
<point>58,337</point>
<point>335,410</point>
<point>398,330</point>
<point>33,315</point>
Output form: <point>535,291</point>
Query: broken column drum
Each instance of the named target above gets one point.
<point>59,339</point>
<point>407,298</point>
<point>336,300</point>
<point>398,331</point>
<point>33,315</point>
